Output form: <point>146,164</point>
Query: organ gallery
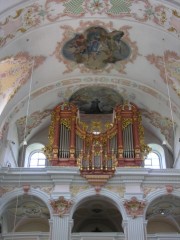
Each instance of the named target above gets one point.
<point>99,146</point>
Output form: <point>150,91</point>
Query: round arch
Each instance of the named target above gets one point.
<point>33,147</point>
<point>95,204</point>
<point>7,197</point>
<point>114,198</point>
<point>158,212</point>
<point>159,193</point>
<point>159,150</point>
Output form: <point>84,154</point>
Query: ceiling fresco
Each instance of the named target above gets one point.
<point>169,67</point>
<point>47,11</point>
<point>27,123</point>
<point>83,99</point>
<point>15,72</point>
<point>93,53</point>
<point>118,84</point>
<point>96,48</point>
<point>164,124</point>
<point>99,100</point>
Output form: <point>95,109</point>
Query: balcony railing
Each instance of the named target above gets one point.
<point>25,236</point>
<point>97,236</point>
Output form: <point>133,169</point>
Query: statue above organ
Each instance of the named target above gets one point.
<point>96,146</point>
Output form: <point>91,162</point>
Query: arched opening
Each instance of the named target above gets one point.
<point>156,157</point>
<point>35,157</point>
<point>97,214</point>
<point>152,160</point>
<point>163,215</point>
<point>25,213</point>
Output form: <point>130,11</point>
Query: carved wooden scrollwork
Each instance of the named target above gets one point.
<point>100,147</point>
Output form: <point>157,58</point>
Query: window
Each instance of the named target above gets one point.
<point>156,158</point>
<point>37,159</point>
<point>152,161</point>
<point>35,156</point>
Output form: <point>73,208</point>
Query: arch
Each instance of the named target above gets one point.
<point>37,159</point>
<point>104,196</point>
<point>114,198</point>
<point>161,216</point>
<point>32,148</point>
<point>159,151</point>
<point>158,193</point>
<point>7,197</point>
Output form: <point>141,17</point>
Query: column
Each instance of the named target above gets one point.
<point>50,228</point>
<point>60,227</point>
<point>135,228</point>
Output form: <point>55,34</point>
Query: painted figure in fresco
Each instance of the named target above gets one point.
<point>93,39</point>
<point>80,46</point>
<point>95,107</point>
<point>115,45</point>
<point>93,47</point>
<point>96,48</point>
<point>100,100</point>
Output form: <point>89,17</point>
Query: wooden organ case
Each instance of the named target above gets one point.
<point>99,153</point>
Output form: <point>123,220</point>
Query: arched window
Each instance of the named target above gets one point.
<point>156,158</point>
<point>34,156</point>
<point>37,159</point>
<point>152,161</point>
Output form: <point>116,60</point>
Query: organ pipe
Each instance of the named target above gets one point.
<point>120,145</point>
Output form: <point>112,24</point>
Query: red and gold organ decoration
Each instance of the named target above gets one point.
<point>73,143</point>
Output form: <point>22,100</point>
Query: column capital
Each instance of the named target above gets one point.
<point>61,206</point>
<point>134,207</point>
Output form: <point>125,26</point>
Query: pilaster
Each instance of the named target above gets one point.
<point>135,228</point>
<point>50,228</point>
<point>60,227</point>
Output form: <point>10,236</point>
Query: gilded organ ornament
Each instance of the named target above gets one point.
<point>96,149</point>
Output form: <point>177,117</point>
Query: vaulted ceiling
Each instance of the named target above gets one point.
<point>48,52</point>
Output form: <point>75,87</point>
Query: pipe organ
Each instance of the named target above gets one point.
<point>73,143</point>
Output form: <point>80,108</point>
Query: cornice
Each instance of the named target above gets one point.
<point>69,175</point>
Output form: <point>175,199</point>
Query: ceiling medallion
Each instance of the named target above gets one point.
<point>96,47</point>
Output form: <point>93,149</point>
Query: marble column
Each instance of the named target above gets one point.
<point>60,227</point>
